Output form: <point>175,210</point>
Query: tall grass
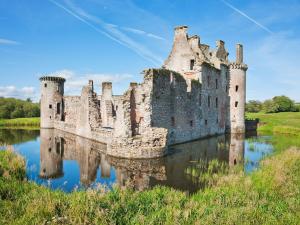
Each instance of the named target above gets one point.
<point>268,196</point>
<point>20,122</point>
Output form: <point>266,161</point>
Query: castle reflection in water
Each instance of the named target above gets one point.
<point>140,174</point>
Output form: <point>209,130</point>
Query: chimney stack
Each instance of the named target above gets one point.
<point>181,31</point>
<point>239,53</point>
<point>107,90</point>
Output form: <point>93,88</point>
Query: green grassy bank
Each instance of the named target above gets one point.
<point>282,123</point>
<point>20,122</point>
<point>270,195</point>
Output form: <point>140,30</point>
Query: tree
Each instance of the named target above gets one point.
<point>285,104</point>
<point>269,106</point>
<point>253,106</point>
<point>16,108</point>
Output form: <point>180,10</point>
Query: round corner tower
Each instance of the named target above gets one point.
<point>52,105</point>
<point>237,92</point>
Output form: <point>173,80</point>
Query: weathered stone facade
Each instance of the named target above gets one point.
<point>197,93</point>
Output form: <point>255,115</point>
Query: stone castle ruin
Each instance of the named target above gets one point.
<point>197,93</point>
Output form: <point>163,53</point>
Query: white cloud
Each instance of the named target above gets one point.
<point>75,82</point>
<point>21,93</point>
<point>67,74</point>
<point>8,42</point>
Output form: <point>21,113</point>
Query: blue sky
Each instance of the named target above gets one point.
<point>115,40</point>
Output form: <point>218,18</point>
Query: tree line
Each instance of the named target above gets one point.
<point>274,105</point>
<point>11,108</point>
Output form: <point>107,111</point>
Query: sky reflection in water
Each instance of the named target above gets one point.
<point>67,162</point>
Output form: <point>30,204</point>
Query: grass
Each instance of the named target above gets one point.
<point>270,195</point>
<point>20,122</point>
<point>281,123</point>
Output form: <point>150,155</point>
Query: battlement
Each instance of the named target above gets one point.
<point>240,66</point>
<point>50,78</point>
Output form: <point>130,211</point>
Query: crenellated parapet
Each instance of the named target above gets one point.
<point>50,78</point>
<point>240,66</point>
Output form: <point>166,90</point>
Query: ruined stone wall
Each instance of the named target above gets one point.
<point>174,108</point>
<point>214,99</point>
<point>134,134</point>
<point>72,106</point>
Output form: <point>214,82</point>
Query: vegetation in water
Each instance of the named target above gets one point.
<point>11,108</point>
<point>207,172</point>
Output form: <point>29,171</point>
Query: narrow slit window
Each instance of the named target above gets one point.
<point>57,148</point>
<point>216,83</point>
<point>45,85</point>
<point>208,81</point>
<point>236,88</point>
<point>173,121</point>
<point>206,122</point>
<point>58,108</point>
<point>208,101</point>
<point>192,63</point>
<point>217,102</point>
<point>200,99</point>
<point>191,123</point>
<point>50,106</point>
<point>236,104</point>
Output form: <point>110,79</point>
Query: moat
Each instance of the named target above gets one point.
<point>64,161</point>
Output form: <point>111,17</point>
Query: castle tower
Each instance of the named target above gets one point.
<point>51,155</point>
<point>106,105</point>
<point>52,105</point>
<point>237,92</point>
<point>236,149</point>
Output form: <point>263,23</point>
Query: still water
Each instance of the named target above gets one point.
<point>64,161</point>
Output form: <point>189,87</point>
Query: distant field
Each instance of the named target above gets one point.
<point>284,123</point>
<point>20,122</point>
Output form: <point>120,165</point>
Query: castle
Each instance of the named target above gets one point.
<point>197,93</point>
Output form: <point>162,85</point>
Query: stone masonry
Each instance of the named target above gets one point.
<point>197,93</point>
